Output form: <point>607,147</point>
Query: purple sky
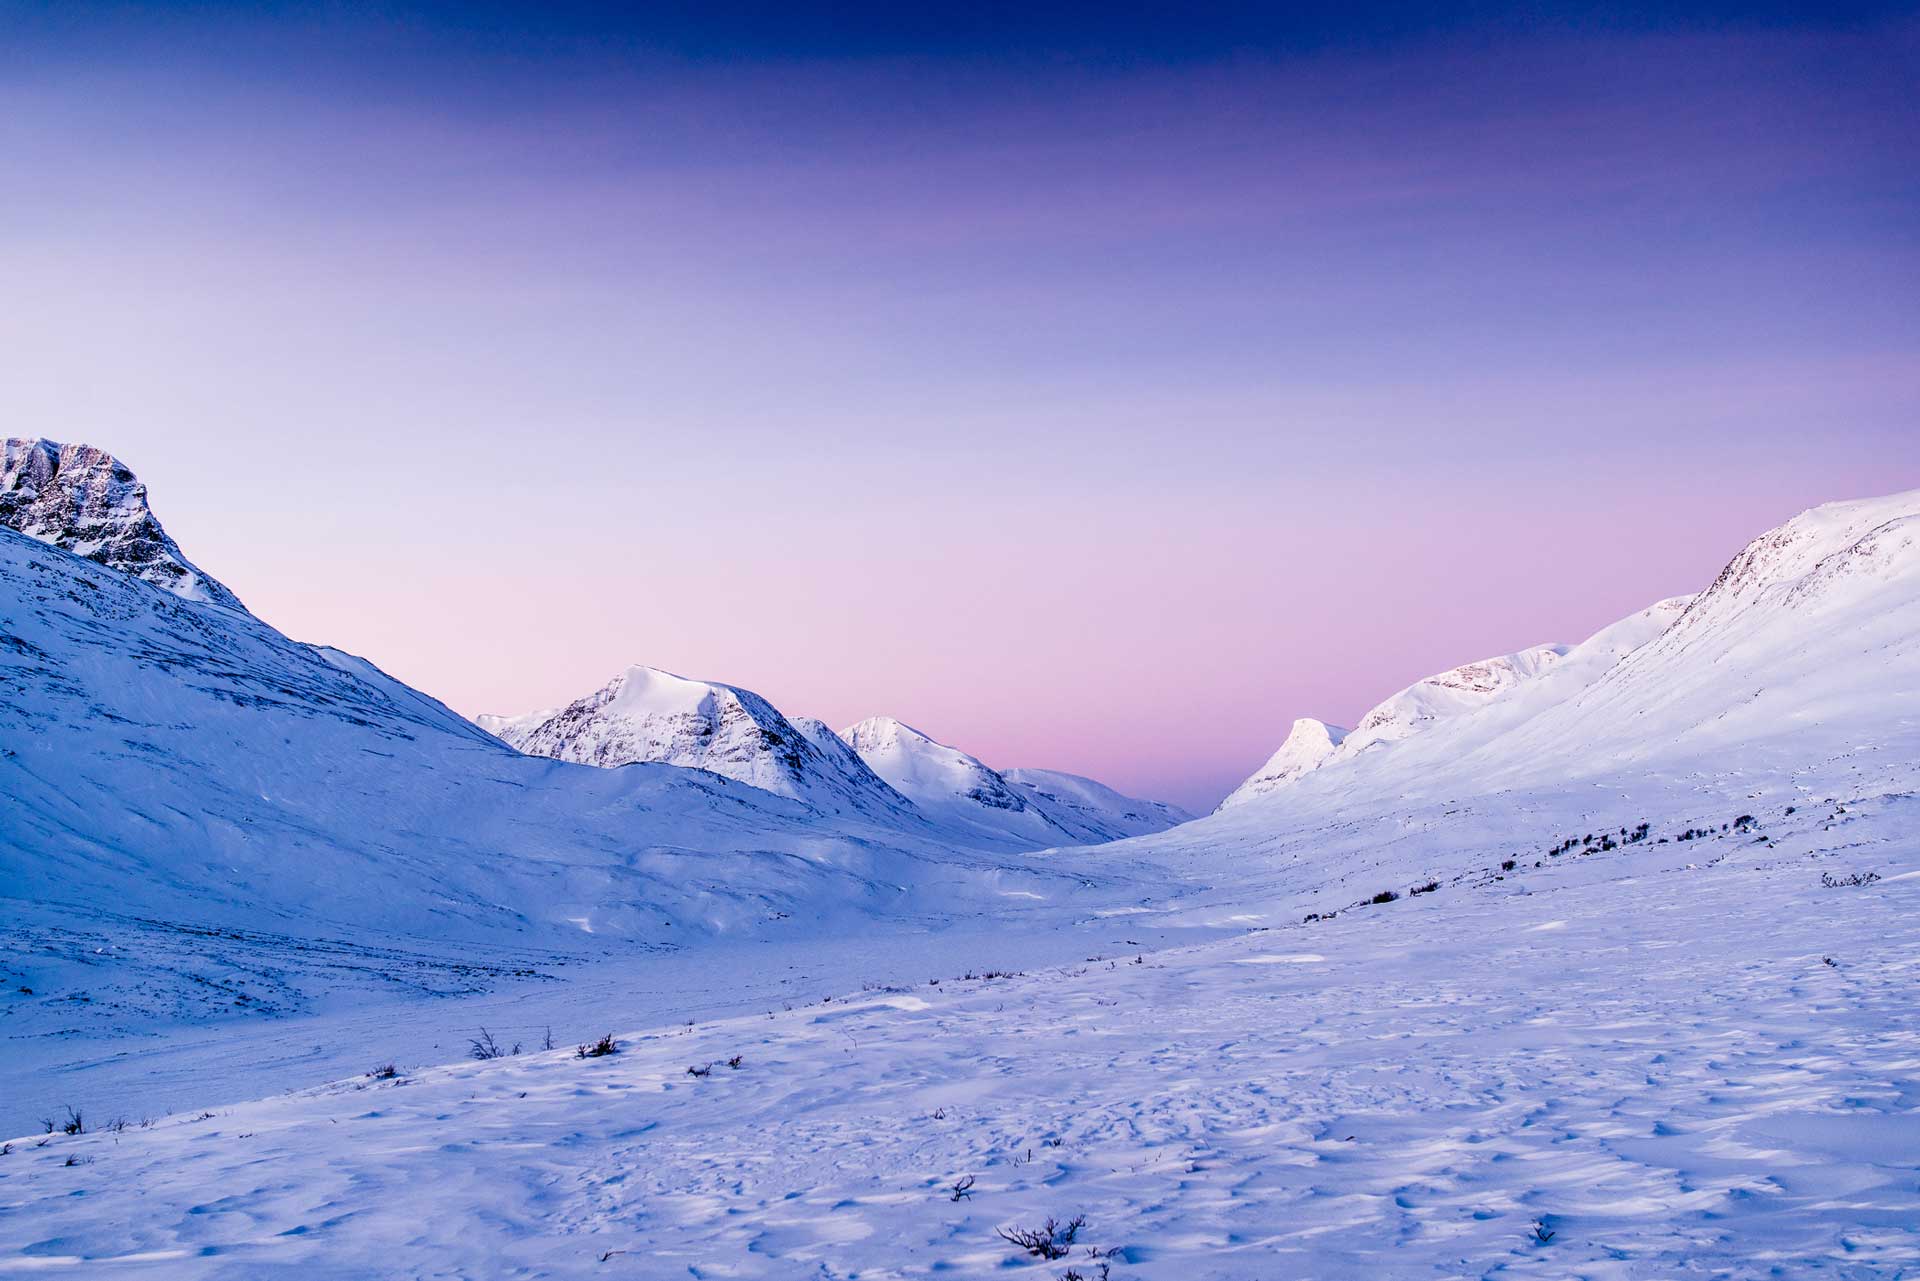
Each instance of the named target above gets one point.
<point>1097,415</point>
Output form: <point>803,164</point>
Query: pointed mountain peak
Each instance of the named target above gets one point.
<point>86,501</point>
<point>1310,744</point>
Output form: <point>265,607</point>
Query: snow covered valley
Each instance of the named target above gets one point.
<point>1665,1060</point>
<point>1596,959</point>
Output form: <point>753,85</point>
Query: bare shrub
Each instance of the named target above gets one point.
<point>962,1189</point>
<point>385,1072</point>
<point>484,1047</point>
<point>1051,1240</point>
<point>598,1049</point>
<point>1103,1272</point>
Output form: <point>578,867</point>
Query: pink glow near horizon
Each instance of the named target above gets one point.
<point>1102,425</point>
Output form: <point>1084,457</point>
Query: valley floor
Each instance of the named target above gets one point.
<point>1693,1063</point>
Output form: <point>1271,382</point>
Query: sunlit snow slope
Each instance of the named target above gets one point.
<point>647,715</point>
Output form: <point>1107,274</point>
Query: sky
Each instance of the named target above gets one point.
<point>1093,388</point>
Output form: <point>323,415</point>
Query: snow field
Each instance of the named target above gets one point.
<point>1699,1071</point>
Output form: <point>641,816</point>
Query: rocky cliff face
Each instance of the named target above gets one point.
<point>88,502</point>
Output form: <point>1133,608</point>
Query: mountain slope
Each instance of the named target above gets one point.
<point>951,787</point>
<point>1792,680</point>
<point>90,503</point>
<point>206,820</point>
<point>1455,692</point>
<point>1310,744</point>
<point>1091,810</point>
<point>646,715</point>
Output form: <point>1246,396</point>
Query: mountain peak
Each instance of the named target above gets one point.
<point>1310,743</point>
<point>646,714</point>
<point>86,501</point>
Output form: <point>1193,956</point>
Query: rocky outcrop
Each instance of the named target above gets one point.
<point>88,502</point>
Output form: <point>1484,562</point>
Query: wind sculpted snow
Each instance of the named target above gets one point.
<point>1657,1062</point>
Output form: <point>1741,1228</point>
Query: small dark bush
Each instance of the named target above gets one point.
<point>385,1072</point>
<point>705,1070</point>
<point>1428,888</point>
<point>1507,866</point>
<point>1833,882</point>
<point>484,1047</point>
<point>599,1049</point>
<point>736,1061</point>
<point>1384,896</point>
<point>962,1189</point>
<point>75,1124</point>
<point>1051,1240</point>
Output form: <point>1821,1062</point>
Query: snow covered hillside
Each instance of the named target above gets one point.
<point>1795,676</point>
<point>1808,633</point>
<point>951,787</point>
<point>647,715</point>
<point>1091,810</point>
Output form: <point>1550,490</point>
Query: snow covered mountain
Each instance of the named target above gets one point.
<point>1032,807</point>
<point>1455,692</point>
<point>951,787</point>
<point>1310,744</point>
<point>89,502</point>
<point>900,775</point>
<point>1811,626</point>
<point>1090,809</point>
<point>647,715</point>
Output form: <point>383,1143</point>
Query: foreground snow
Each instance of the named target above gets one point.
<point>1695,1058</point>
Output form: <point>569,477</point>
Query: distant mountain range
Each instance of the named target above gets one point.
<point>879,768</point>
<point>169,761</point>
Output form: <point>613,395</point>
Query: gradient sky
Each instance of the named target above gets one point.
<point>1093,389</point>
